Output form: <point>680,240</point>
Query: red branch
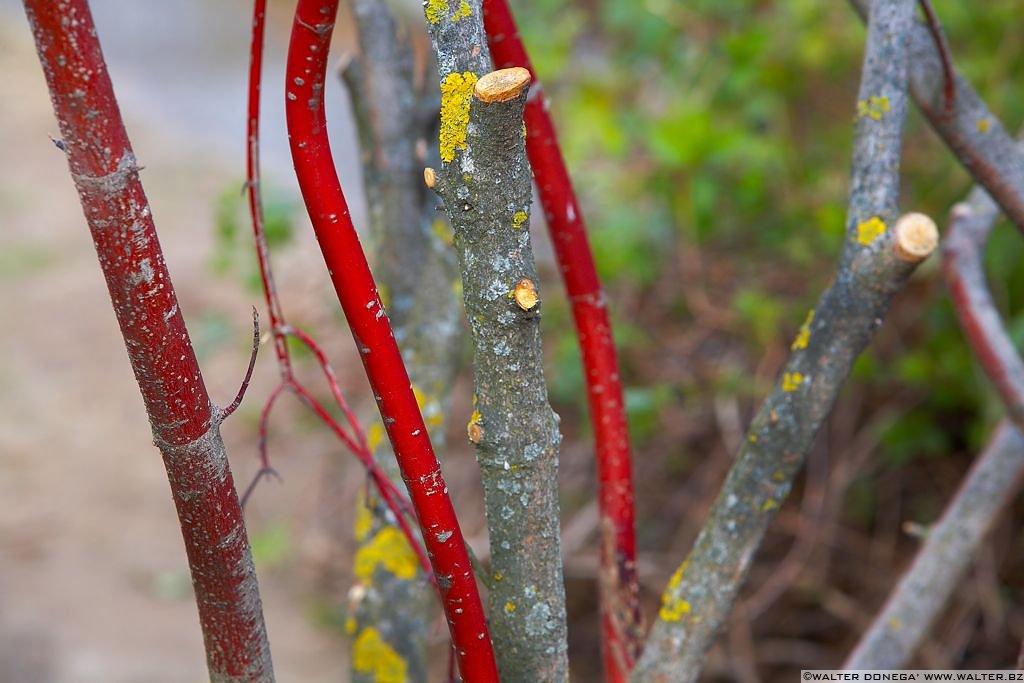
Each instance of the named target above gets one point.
<point>983,326</point>
<point>621,618</point>
<point>357,293</point>
<point>183,419</point>
<point>281,330</point>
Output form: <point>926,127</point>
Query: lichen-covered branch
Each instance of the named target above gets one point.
<point>391,602</point>
<point>950,545</point>
<point>619,588</point>
<point>968,126</point>
<point>877,257</point>
<point>970,224</point>
<point>485,183</point>
<point>184,421</point>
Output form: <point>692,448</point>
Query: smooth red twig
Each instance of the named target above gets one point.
<point>939,37</point>
<point>183,419</point>
<point>233,406</point>
<point>970,223</point>
<point>621,618</point>
<point>280,330</point>
<point>357,293</point>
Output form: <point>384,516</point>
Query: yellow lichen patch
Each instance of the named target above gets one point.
<point>372,655</point>
<point>752,438</point>
<point>804,335</point>
<point>874,107</point>
<point>870,230</point>
<point>431,410</point>
<point>442,231</point>
<point>984,125</point>
<point>791,381</point>
<point>673,607</point>
<point>364,521</point>
<point>498,576</point>
<point>350,625</point>
<point>456,94</point>
<point>375,436</point>
<point>779,475</point>
<point>894,624</point>
<point>518,218</point>
<point>462,12</point>
<point>769,504</point>
<point>435,10</point>
<point>388,549</point>
<point>510,607</point>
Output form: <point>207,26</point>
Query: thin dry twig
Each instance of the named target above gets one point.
<point>897,631</point>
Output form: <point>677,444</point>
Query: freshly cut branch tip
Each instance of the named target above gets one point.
<point>430,177</point>
<point>525,294</point>
<point>502,85</point>
<point>916,237</point>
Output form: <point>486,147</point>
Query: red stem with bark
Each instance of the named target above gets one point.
<point>183,419</point>
<point>357,292</point>
<point>621,618</point>
<point>280,329</point>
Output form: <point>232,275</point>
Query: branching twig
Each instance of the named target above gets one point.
<point>357,293</point>
<point>233,406</point>
<point>876,260</point>
<point>184,421</point>
<point>621,618</point>
<point>970,129</point>
<point>950,545</point>
<point>485,183</point>
<point>280,330</point>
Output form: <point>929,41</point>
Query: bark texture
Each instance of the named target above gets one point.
<point>184,421</point>
<point>485,183</point>
<point>700,594</point>
<point>619,589</point>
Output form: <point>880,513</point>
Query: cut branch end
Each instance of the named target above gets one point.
<point>916,237</point>
<point>502,85</point>
<point>430,177</point>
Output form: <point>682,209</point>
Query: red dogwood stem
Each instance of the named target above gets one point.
<point>184,421</point>
<point>357,293</point>
<point>620,608</point>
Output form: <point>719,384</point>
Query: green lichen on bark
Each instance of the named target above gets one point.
<point>486,191</point>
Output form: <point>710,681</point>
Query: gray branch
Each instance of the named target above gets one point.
<point>485,182</point>
<point>876,260</point>
<point>926,586</point>
<point>968,126</point>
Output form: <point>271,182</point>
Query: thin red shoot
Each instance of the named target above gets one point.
<point>280,329</point>
<point>305,80</point>
<point>622,630</point>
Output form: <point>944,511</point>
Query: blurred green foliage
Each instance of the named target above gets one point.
<point>234,250</point>
<point>724,126</point>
